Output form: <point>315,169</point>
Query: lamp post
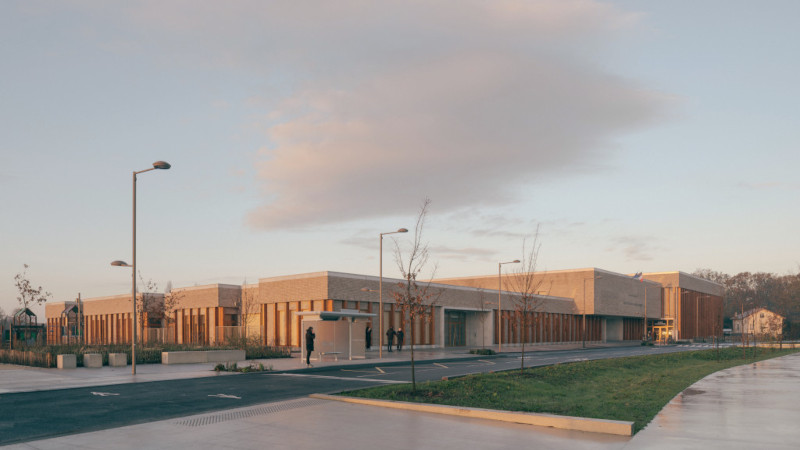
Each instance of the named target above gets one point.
<point>162,165</point>
<point>644,337</point>
<point>593,278</point>
<point>380,291</point>
<point>499,304</point>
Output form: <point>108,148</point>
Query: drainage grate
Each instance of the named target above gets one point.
<point>244,413</point>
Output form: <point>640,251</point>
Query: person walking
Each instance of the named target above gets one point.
<point>400,336</point>
<point>390,337</point>
<point>309,344</point>
<point>368,337</point>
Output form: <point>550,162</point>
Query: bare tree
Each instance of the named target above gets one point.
<point>526,285</point>
<point>28,295</point>
<point>147,304</point>
<point>172,301</point>
<point>248,307</point>
<point>415,299</point>
<point>484,308</point>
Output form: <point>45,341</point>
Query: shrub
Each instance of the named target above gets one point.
<point>47,355</point>
<point>482,351</point>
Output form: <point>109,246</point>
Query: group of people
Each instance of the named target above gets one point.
<point>391,335</point>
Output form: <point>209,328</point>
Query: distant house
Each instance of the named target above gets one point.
<point>758,321</point>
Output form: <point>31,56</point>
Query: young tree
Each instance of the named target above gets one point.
<point>415,299</point>
<point>248,307</point>
<point>526,284</point>
<point>147,304</point>
<point>28,295</point>
<point>483,306</point>
<point>172,301</point>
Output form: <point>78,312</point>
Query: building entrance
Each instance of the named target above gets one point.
<point>662,331</point>
<point>456,326</point>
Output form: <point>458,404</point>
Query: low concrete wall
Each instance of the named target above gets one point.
<point>67,361</point>
<point>117,359</point>
<point>182,357</point>
<point>617,427</point>
<point>92,360</point>
<point>202,356</point>
<point>225,355</point>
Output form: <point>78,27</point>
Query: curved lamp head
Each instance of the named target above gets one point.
<point>402,230</point>
<point>120,263</point>
<point>161,165</point>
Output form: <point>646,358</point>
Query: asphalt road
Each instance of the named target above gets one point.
<point>43,414</point>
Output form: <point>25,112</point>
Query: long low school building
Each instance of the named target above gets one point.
<point>591,305</point>
<point>660,306</point>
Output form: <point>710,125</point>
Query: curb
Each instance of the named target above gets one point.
<point>374,363</point>
<point>615,427</point>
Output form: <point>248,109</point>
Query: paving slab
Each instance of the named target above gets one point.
<point>751,406</point>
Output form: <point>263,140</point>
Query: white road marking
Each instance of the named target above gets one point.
<point>357,371</point>
<point>103,394</point>
<point>225,396</point>
<point>440,365</point>
<point>302,375</point>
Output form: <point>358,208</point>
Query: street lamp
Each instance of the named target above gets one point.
<point>593,278</point>
<point>162,165</point>
<point>499,297</point>
<point>380,292</point>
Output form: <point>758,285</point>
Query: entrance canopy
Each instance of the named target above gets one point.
<point>338,333</point>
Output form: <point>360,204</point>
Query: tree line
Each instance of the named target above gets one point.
<point>749,290</point>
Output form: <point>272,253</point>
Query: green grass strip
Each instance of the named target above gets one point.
<point>633,389</point>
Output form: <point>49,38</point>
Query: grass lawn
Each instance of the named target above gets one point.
<point>632,389</point>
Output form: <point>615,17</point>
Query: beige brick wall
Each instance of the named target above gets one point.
<point>313,286</point>
<point>54,310</point>
<point>114,304</point>
<point>208,296</point>
<point>687,281</point>
<point>606,293</point>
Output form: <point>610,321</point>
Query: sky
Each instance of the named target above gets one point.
<point>636,135</point>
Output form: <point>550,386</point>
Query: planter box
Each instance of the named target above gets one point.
<point>117,359</point>
<point>92,360</point>
<point>67,361</point>
<point>202,356</point>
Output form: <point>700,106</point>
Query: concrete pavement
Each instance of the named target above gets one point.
<point>742,407</point>
<point>15,378</point>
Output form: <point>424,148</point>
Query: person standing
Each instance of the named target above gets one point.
<point>368,337</point>
<point>309,344</point>
<point>400,336</point>
<point>390,337</point>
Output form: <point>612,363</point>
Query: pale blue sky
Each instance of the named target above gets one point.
<point>641,135</point>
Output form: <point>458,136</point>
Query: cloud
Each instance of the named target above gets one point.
<point>368,107</point>
<point>636,248</point>
<point>461,254</point>
<point>464,120</point>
